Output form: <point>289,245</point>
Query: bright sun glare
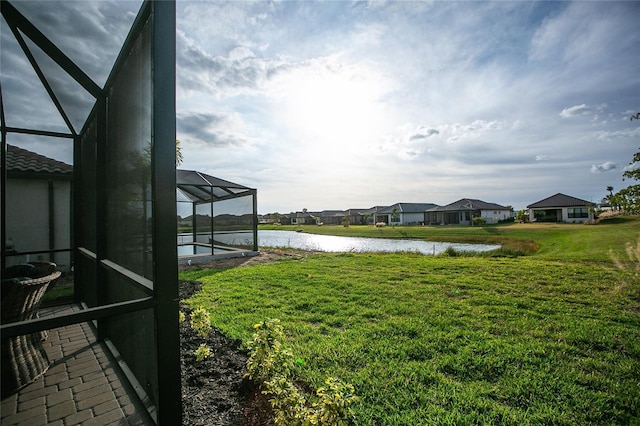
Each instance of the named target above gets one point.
<point>336,107</point>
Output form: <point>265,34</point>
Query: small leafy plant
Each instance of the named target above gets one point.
<point>268,357</point>
<point>202,352</point>
<point>289,404</point>
<point>201,322</point>
<point>272,363</point>
<point>334,402</point>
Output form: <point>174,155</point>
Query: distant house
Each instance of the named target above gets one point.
<point>299,218</point>
<point>333,217</point>
<point>330,217</point>
<point>561,208</point>
<point>371,215</point>
<point>357,216</point>
<point>38,208</point>
<point>463,211</point>
<point>404,213</point>
<point>270,218</point>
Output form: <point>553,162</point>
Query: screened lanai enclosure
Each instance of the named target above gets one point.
<point>215,217</point>
<point>92,85</point>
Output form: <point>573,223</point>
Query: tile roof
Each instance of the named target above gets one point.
<point>469,204</point>
<point>560,200</point>
<point>20,161</point>
<point>300,215</point>
<point>354,212</point>
<point>326,213</point>
<point>408,208</point>
<point>374,209</point>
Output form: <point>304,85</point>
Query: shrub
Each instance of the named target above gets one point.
<point>334,405</point>
<point>451,252</point>
<point>202,352</point>
<point>479,220</point>
<point>201,322</point>
<point>522,216</point>
<point>288,403</point>
<point>273,363</point>
<point>268,357</point>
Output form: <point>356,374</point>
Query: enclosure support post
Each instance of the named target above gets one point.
<point>211,224</point>
<point>254,195</point>
<point>3,180</point>
<point>101,209</point>
<point>165,264</point>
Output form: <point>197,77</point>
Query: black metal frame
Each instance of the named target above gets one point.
<point>162,290</point>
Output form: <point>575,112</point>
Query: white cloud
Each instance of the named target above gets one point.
<point>423,132</point>
<point>238,72</point>
<point>476,129</point>
<point>575,110</point>
<point>581,35</point>
<point>604,167</point>
<point>619,134</point>
<point>213,129</point>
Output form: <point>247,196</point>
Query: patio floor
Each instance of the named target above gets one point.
<point>81,386</point>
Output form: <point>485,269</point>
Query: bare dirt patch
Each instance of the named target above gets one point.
<point>265,256</point>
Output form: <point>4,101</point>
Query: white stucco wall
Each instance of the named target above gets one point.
<point>62,223</point>
<point>494,216</point>
<point>27,219</point>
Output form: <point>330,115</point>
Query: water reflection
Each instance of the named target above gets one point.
<point>330,243</point>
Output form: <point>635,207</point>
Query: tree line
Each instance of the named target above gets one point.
<point>627,199</point>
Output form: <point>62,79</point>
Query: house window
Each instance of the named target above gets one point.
<point>578,212</point>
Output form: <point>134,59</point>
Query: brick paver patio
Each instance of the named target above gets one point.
<point>81,386</point>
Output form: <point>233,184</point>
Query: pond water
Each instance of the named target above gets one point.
<point>330,243</point>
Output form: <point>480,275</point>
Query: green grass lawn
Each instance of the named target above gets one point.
<point>550,338</point>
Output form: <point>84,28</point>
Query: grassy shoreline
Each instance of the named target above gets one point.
<point>555,241</point>
<point>551,338</point>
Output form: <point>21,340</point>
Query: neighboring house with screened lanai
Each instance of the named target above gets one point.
<point>463,211</point>
<point>403,213</point>
<point>561,208</point>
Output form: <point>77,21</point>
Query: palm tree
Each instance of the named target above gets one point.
<point>179,157</point>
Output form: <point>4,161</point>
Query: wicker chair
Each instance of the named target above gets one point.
<point>23,357</point>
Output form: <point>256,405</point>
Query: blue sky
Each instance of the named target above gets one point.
<point>341,104</point>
